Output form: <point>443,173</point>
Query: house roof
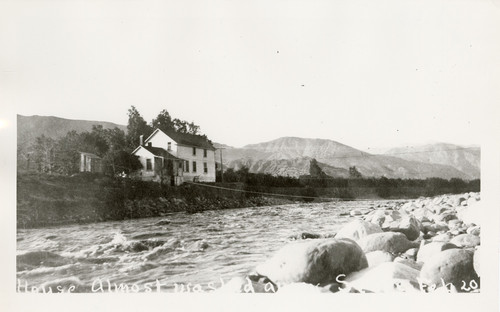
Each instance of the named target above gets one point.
<point>158,151</point>
<point>186,139</point>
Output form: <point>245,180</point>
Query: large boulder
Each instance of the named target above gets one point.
<point>457,200</point>
<point>358,229</point>
<point>377,257</point>
<point>317,262</point>
<point>355,212</point>
<point>477,260</point>
<point>466,240</point>
<point>433,208</point>
<point>409,262</point>
<point>470,214</point>
<point>474,230</point>
<point>411,253</point>
<point>429,250</point>
<point>456,225</point>
<point>423,214</point>
<point>455,266</point>
<point>445,216</point>
<point>376,217</point>
<point>387,277</point>
<point>388,241</point>
<point>406,224</point>
<point>434,227</point>
<point>472,200</point>
<point>408,207</point>
<point>437,200</point>
<point>391,216</point>
<point>444,237</point>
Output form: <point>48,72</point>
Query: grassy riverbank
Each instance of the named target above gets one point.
<point>45,200</point>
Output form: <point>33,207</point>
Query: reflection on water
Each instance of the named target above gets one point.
<point>205,248</point>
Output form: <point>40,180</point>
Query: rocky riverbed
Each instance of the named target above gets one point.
<point>424,245</point>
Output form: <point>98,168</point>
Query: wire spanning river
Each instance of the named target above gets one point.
<point>200,251</point>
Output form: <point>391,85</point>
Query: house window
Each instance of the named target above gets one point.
<point>169,146</point>
<point>205,167</point>
<point>194,166</point>
<point>194,151</point>
<point>205,153</point>
<point>186,164</point>
<point>149,165</point>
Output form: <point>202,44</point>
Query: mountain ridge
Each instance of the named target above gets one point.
<point>466,159</point>
<point>266,157</point>
<point>31,127</point>
<point>291,155</point>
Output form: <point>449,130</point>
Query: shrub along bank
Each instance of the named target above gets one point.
<point>44,200</point>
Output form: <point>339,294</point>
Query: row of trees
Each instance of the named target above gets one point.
<point>114,146</point>
<point>62,155</point>
<point>322,180</point>
<point>137,126</point>
<point>257,179</point>
<point>382,186</point>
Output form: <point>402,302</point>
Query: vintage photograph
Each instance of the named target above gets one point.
<point>156,206</point>
<point>322,147</point>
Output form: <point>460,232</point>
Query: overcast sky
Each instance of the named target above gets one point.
<point>369,74</point>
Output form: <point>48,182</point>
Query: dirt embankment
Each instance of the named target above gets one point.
<point>46,200</point>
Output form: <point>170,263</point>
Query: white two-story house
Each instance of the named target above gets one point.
<point>176,157</point>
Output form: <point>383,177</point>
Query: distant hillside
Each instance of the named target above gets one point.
<point>465,159</point>
<point>31,127</point>
<point>291,156</point>
<point>220,145</point>
<point>285,167</point>
<point>293,147</point>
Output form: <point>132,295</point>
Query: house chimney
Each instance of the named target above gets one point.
<point>141,140</point>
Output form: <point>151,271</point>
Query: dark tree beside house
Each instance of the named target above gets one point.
<point>163,122</point>
<point>180,126</point>
<point>136,127</point>
<point>120,161</point>
<point>95,142</point>
<point>63,156</point>
<point>166,123</point>
<point>118,157</point>
<point>116,139</point>
<point>111,145</point>
<point>183,126</point>
<point>67,153</point>
<point>193,129</point>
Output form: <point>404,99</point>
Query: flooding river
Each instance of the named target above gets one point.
<point>198,251</point>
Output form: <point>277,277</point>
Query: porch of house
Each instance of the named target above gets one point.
<point>164,171</point>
